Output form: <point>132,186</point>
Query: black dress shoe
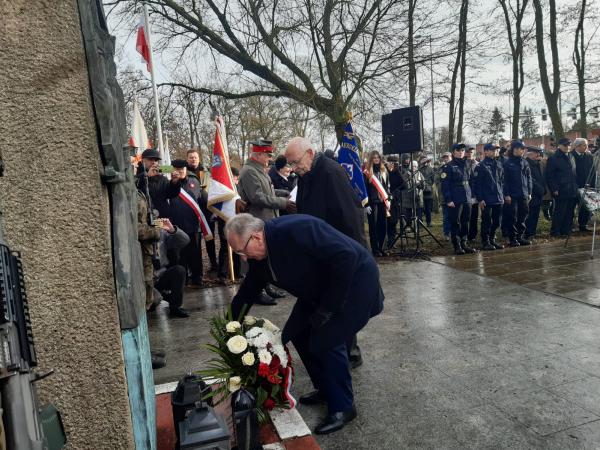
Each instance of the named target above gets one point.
<point>336,421</point>
<point>496,244</point>
<point>264,299</point>
<point>312,398</point>
<point>584,229</point>
<point>178,312</point>
<point>158,362</point>
<point>514,243</point>
<point>272,291</point>
<point>356,362</point>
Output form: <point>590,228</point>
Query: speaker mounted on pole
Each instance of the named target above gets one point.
<point>402,131</point>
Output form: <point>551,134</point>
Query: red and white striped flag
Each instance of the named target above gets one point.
<point>142,45</point>
<point>204,228</point>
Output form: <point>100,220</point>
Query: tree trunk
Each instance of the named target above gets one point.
<point>462,35</point>
<point>461,98</point>
<point>551,94</point>
<point>579,60</point>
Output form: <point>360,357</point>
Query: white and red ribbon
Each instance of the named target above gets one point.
<point>288,379</point>
<point>189,200</point>
<point>380,190</point>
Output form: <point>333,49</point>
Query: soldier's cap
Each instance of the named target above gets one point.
<point>515,143</point>
<point>179,163</point>
<point>458,146</point>
<point>262,146</point>
<point>564,141</point>
<point>534,149</point>
<point>490,146</point>
<point>150,153</point>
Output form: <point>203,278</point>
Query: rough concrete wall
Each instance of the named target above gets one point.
<point>56,213</point>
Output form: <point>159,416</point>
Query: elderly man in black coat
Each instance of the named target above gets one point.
<point>336,282</point>
<point>561,176</point>
<point>324,191</point>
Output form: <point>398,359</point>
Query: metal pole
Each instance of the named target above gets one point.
<point>432,101</point>
<point>165,157</point>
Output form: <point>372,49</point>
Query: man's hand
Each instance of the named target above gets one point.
<point>555,193</point>
<point>240,206</point>
<point>175,177</point>
<point>290,207</point>
<point>450,205</point>
<point>507,200</point>
<point>319,318</point>
<point>369,210</point>
<point>167,225</point>
<point>529,198</point>
<point>482,205</point>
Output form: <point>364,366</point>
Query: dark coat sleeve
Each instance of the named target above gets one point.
<point>550,175</point>
<point>343,208</point>
<point>254,282</point>
<point>170,189</point>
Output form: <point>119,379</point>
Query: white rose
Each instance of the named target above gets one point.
<point>249,320</point>
<point>248,359</point>
<point>233,326</point>
<point>235,383</point>
<point>264,357</point>
<point>237,344</point>
<point>270,326</point>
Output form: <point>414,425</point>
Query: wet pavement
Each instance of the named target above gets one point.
<point>456,360</point>
<point>568,271</point>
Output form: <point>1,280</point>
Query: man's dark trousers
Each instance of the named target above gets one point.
<point>490,221</point>
<point>583,217</point>
<point>562,219</point>
<point>171,284</point>
<point>516,214</point>
<point>329,370</point>
<point>535,205</point>
<point>191,258</point>
<point>459,220</point>
<point>473,222</point>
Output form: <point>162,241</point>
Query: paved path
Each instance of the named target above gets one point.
<point>567,271</point>
<point>456,360</point>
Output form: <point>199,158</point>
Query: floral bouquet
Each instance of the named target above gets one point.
<point>250,355</point>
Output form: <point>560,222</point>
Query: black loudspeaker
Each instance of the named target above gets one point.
<point>402,131</point>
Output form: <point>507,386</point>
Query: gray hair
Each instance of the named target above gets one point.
<point>243,225</point>
<point>577,142</point>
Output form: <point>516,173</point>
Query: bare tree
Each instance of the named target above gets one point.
<point>513,17</point>
<point>454,125</point>
<point>551,93</point>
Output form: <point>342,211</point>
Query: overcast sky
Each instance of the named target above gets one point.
<point>493,71</point>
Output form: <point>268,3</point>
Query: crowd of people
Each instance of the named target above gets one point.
<point>497,194</point>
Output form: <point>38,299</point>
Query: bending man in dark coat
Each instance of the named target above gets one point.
<point>324,191</point>
<point>336,282</point>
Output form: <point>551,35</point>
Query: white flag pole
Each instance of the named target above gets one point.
<point>165,156</point>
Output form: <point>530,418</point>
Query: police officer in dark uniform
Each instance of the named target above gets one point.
<point>538,190</point>
<point>561,176</point>
<point>517,193</point>
<point>488,186</point>
<point>456,189</point>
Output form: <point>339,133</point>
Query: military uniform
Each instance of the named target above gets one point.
<point>456,188</point>
<point>149,236</point>
<point>488,186</point>
<point>517,186</point>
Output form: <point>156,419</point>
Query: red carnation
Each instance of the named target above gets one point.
<point>263,370</point>
<point>275,362</point>
<point>274,378</point>
<point>269,404</point>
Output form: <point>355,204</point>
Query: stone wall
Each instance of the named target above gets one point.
<point>56,213</point>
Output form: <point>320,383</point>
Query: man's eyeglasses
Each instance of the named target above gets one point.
<point>242,252</point>
<point>296,162</point>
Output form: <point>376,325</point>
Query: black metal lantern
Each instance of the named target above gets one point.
<point>243,406</point>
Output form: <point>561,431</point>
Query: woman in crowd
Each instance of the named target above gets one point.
<point>377,211</point>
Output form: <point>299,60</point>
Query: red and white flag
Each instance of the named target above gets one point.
<point>189,200</point>
<point>142,44</point>
<point>138,137</point>
<point>383,196</point>
<point>222,193</point>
